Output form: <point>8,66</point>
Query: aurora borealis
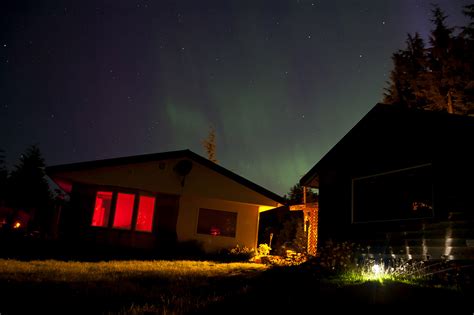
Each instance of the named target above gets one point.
<point>281,81</point>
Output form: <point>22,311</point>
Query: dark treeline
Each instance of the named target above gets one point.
<point>437,76</point>
<point>25,196</point>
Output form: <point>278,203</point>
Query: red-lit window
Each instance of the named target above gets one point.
<point>217,222</point>
<point>145,213</point>
<point>103,201</point>
<point>124,211</point>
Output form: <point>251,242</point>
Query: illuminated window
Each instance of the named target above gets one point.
<point>145,213</point>
<point>124,211</point>
<point>103,201</point>
<point>217,223</point>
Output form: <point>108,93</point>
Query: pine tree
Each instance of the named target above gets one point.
<point>440,81</point>
<point>467,36</point>
<point>295,196</point>
<point>439,77</point>
<point>28,188</point>
<point>209,145</point>
<point>3,178</point>
<point>409,65</point>
<point>468,31</point>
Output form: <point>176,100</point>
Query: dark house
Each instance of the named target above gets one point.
<point>402,182</point>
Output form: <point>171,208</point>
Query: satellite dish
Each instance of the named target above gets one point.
<point>183,167</point>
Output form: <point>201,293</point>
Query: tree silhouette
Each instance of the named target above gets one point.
<point>209,145</point>
<point>3,178</point>
<point>438,77</point>
<point>27,186</point>
<point>295,195</point>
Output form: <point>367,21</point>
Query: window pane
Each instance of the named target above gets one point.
<point>124,211</point>
<point>103,201</point>
<point>217,223</point>
<point>145,213</point>
<point>397,195</point>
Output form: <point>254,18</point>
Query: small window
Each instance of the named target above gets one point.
<point>124,211</point>
<point>103,201</point>
<point>217,222</point>
<point>146,208</point>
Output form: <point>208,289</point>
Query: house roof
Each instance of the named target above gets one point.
<point>439,126</point>
<point>51,170</point>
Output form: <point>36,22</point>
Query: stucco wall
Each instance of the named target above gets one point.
<point>159,176</point>
<point>247,223</point>
<point>201,188</point>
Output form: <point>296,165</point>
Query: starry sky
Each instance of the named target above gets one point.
<point>280,81</point>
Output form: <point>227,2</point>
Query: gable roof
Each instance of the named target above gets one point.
<point>51,170</point>
<point>382,115</point>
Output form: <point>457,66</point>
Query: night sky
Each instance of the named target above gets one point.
<point>281,81</point>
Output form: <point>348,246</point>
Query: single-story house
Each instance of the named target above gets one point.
<point>152,201</point>
<point>401,182</point>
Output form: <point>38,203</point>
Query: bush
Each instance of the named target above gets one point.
<point>351,262</point>
<point>263,250</point>
<point>339,257</point>
<point>237,253</point>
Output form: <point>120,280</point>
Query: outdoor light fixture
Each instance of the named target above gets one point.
<point>377,270</point>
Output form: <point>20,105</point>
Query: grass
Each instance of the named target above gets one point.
<point>61,271</point>
<point>199,287</point>
<point>119,286</point>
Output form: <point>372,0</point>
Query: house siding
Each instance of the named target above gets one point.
<point>178,200</point>
<point>387,140</point>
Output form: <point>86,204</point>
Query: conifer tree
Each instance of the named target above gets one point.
<point>28,189</point>
<point>209,145</point>
<point>3,178</point>
<point>438,77</point>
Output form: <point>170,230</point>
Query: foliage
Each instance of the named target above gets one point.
<point>291,259</point>
<point>439,77</point>
<point>209,145</point>
<point>295,196</point>
<point>350,262</point>
<point>291,235</point>
<point>3,177</point>
<point>338,257</point>
<point>263,249</point>
<point>238,253</point>
<point>28,188</point>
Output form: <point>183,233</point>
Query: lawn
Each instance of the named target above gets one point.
<point>177,287</point>
<point>119,286</point>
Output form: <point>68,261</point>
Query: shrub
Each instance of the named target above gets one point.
<point>237,253</point>
<point>263,250</point>
<point>339,257</point>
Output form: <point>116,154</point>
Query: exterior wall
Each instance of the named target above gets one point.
<point>77,221</point>
<point>178,202</point>
<point>159,176</point>
<point>448,234</point>
<point>388,139</point>
<point>246,230</point>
